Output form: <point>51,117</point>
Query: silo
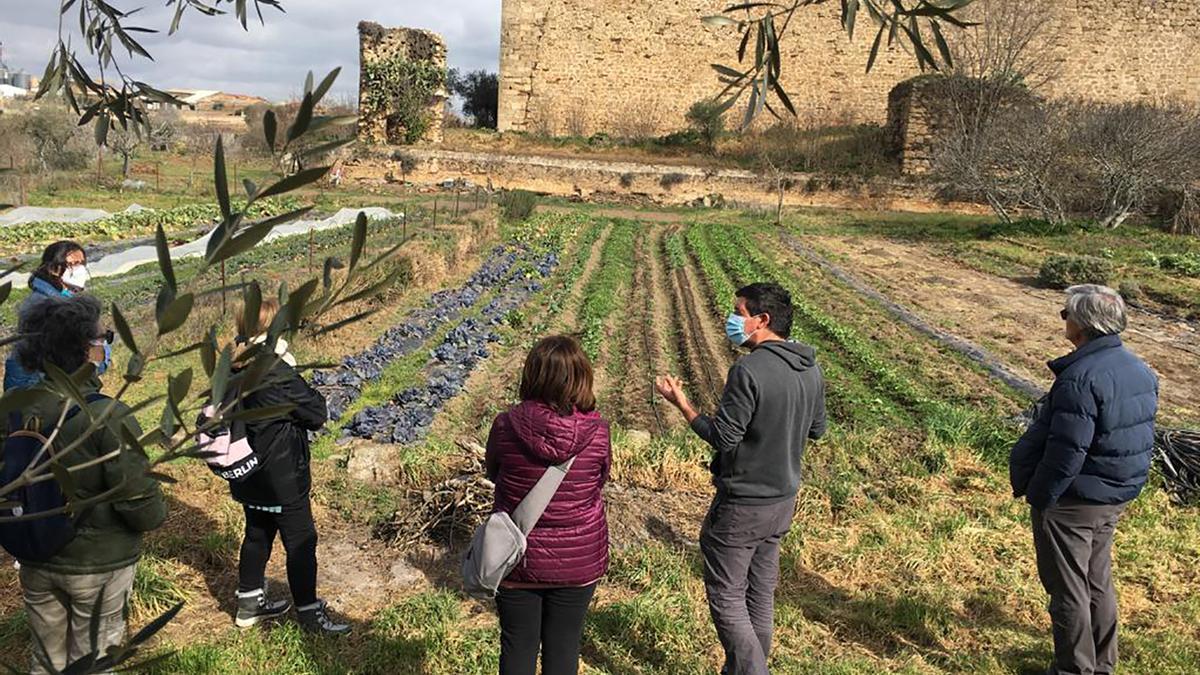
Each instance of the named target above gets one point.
<point>5,76</point>
<point>21,80</point>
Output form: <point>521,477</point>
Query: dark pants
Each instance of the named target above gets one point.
<point>740,544</point>
<point>299,533</point>
<point>551,618</point>
<point>1073,540</point>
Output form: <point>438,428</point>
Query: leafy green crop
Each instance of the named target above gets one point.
<point>602,294</point>
<point>139,223</point>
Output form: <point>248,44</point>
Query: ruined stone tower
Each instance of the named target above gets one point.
<point>378,121</point>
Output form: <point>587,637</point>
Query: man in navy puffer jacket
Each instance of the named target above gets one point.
<point>1083,459</point>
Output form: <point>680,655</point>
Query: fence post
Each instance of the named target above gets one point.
<point>456,193</point>
<point>157,177</point>
<point>404,220</point>
<point>435,205</point>
<point>310,250</point>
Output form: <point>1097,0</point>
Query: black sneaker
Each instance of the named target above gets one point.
<point>254,607</point>
<point>314,618</point>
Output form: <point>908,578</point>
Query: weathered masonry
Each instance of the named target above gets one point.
<point>378,122</point>
<point>619,66</point>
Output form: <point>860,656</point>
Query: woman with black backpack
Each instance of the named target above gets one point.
<point>275,497</point>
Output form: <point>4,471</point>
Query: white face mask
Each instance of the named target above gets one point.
<point>77,276</point>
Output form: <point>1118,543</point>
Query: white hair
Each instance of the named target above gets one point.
<point>1098,310</point>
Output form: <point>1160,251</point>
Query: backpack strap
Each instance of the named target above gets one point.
<point>530,510</point>
<point>74,410</point>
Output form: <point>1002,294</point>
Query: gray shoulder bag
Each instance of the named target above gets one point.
<point>498,545</point>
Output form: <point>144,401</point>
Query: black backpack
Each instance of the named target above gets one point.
<point>40,539</point>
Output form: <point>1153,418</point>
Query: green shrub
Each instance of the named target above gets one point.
<point>707,117</point>
<point>517,205</point>
<point>1061,271</point>
<point>1187,264</point>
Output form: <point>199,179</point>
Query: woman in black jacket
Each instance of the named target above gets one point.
<point>276,497</point>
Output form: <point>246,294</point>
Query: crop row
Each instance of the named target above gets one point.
<point>603,292</point>
<point>850,396</point>
<point>341,386</point>
<point>588,232</point>
<point>721,288</point>
<point>746,261</point>
<point>406,418</point>
<point>676,256</point>
<point>134,223</point>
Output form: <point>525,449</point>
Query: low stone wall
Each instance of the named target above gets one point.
<point>636,182</point>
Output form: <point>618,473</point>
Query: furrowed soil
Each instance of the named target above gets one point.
<point>633,391</point>
<point>1017,322</point>
<point>706,360</point>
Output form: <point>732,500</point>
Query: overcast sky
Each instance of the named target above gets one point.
<point>271,60</point>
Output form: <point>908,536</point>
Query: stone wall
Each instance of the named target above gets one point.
<point>622,66</point>
<point>377,43</point>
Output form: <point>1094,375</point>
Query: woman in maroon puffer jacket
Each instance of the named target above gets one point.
<point>544,601</point>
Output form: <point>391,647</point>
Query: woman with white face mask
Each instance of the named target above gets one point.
<point>63,272</point>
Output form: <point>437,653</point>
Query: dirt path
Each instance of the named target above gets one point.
<point>1017,323</point>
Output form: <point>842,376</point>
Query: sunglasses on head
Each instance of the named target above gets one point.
<point>1064,314</point>
<point>108,336</point>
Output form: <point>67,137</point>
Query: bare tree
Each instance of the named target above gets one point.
<point>125,143</point>
<point>1132,152</point>
<point>1010,43</point>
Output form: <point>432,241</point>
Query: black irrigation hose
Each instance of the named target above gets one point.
<point>1178,455</point>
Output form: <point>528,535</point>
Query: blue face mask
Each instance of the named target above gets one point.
<point>735,330</point>
<point>104,365</point>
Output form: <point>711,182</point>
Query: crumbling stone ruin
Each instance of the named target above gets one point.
<point>393,60</point>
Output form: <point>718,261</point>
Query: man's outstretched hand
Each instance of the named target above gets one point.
<point>671,389</point>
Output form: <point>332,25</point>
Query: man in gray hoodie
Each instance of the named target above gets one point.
<point>773,404</point>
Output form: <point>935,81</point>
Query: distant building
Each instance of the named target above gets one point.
<point>9,91</point>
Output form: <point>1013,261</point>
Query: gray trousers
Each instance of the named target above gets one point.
<point>60,609</point>
<point>1073,540</point>
<point>740,544</point>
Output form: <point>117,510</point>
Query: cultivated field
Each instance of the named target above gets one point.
<point>907,553</point>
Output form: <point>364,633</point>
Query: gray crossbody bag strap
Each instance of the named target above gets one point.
<point>530,510</point>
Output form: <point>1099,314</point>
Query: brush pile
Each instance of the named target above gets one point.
<point>448,512</point>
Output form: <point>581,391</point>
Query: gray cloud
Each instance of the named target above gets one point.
<point>270,60</point>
